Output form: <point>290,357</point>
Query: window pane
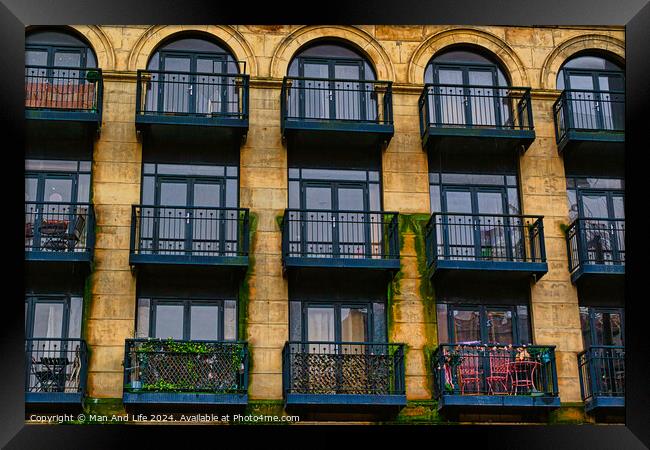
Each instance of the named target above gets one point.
<point>74,327</point>
<point>523,325</point>
<point>467,326</point>
<point>443,329</point>
<point>320,324</point>
<point>204,322</point>
<point>230,320</point>
<point>57,190</point>
<point>379,322</point>
<point>499,327</point>
<point>36,58</point>
<point>142,330</point>
<point>169,321</point>
<point>295,318</point>
<point>83,189</point>
<point>354,324</point>
<point>48,320</point>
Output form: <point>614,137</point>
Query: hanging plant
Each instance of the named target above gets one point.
<point>92,76</point>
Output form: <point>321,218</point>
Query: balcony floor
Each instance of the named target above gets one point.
<point>182,398</point>
<point>446,139</point>
<point>342,263</point>
<point>499,401</point>
<point>185,260</point>
<point>363,400</point>
<point>596,142</point>
<point>598,273</point>
<point>507,270</point>
<point>602,403</point>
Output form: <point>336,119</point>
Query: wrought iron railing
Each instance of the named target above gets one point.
<point>317,99</point>
<point>485,237</point>
<point>602,372</point>
<point>472,106</point>
<point>340,234</point>
<point>596,241</point>
<point>59,227</point>
<point>189,231</point>
<point>583,110</point>
<point>55,365</point>
<point>216,95</point>
<point>155,365</point>
<point>472,369</point>
<point>64,88</point>
<point>343,368</point>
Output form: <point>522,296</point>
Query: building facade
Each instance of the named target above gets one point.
<point>381,223</point>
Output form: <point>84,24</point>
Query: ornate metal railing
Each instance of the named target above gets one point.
<point>494,370</point>
<point>64,88</point>
<point>55,365</point>
<point>485,237</point>
<point>470,106</point>
<point>584,110</point>
<point>154,365</point>
<point>59,227</point>
<point>340,234</point>
<point>217,95</point>
<point>343,368</point>
<point>189,231</point>
<point>309,99</point>
<point>602,372</point>
<point>596,241</point>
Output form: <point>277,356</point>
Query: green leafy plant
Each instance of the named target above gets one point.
<point>92,76</point>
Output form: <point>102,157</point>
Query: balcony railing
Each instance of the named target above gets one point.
<point>322,103</point>
<point>509,376</point>
<point>59,230</point>
<point>475,111</point>
<point>154,366</point>
<point>69,92</point>
<point>485,241</point>
<point>598,115</point>
<point>192,235</point>
<point>596,245</point>
<point>342,369</point>
<point>192,98</point>
<point>602,376</point>
<point>55,369</point>
<point>341,238</point>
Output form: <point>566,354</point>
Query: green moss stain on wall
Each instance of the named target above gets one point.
<point>244,289</point>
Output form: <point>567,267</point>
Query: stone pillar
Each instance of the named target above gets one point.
<point>110,310</point>
<point>263,188</point>
<point>554,301</point>
<point>406,190</point>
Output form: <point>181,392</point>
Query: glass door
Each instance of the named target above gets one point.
<point>458,224</point>
<point>175,87</point>
<point>601,106</point>
<point>603,236</point>
<point>350,100</point>
<point>315,94</point>
<point>211,91</point>
<point>352,230</point>
<point>171,217</point>
<point>494,230</point>
<point>449,100</point>
<point>214,232</point>
<point>317,221</point>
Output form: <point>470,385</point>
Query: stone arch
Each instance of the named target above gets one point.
<point>98,40</point>
<point>153,36</point>
<point>470,36</point>
<point>570,47</point>
<point>362,41</point>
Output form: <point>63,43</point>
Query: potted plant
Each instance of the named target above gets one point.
<point>92,76</point>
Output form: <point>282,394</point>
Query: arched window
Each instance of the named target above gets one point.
<point>328,84</point>
<point>468,89</point>
<point>57,48</point>
<point>594,88</point>
<point>192,75</point>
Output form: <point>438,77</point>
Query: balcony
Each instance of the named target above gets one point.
<point>174,373</point>
<point>63,100</point>
<point>323,111</point>
<point>457,118</point>
<point>596,249</point>
<point>590,119</point>
<point>211,105</point>
<point>340,239</point>
<point>495,377</point>
<point>355,376</point>
<point>493,246</point>
<point>55,372</point>
<point>60,233</point>
<point>189,236</point>
<point>602,377</point>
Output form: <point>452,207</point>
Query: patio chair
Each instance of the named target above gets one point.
<point>497,380</point>
<point>469,373</point>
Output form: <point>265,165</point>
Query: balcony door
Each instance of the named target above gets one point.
<point>49,209</point>
<point>335,323</point>
<point>195,83</point>
<point>335,220</point>
<point>186,220</point>
<point>331,90</point>
<point>474,227</point>
<point>604,231</point>
<point>468,96</point>
<point>483,325</point>
<point>599,102</point>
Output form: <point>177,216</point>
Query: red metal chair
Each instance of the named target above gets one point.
<point>499,371</point>
<point>468,372</point>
